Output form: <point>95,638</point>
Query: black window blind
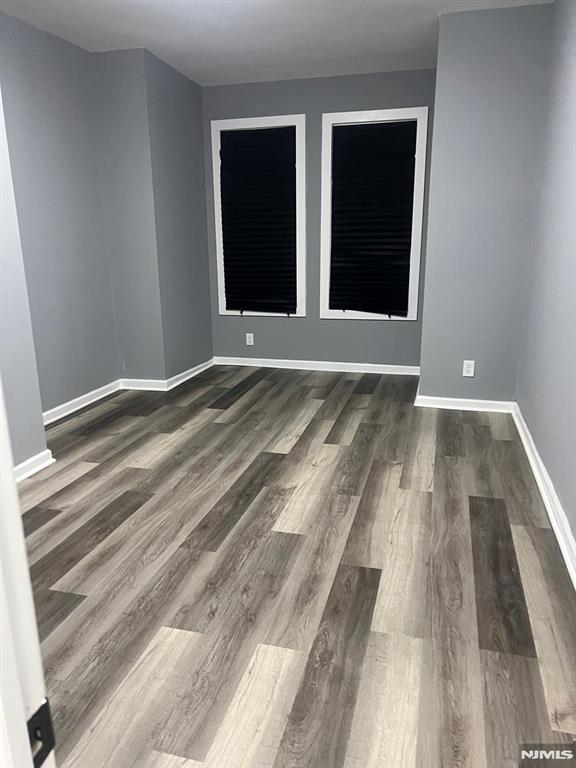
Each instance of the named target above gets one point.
<point>372,199</point>
<point>258,198</point>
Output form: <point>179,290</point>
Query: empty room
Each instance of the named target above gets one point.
<point>288,383</point>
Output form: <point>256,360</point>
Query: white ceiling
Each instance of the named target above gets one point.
<point>234,41</point>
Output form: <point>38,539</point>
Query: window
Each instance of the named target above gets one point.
<point>259,208</point>
<point>373,166</point>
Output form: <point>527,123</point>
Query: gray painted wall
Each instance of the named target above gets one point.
<point>109,179</point>
<point>175,125</point>
<point>128,221</point>
<point>17,356</point>
<point>309,338</point>
<point>546,389</point>
<point>48,106</point>
<point>486,162</point>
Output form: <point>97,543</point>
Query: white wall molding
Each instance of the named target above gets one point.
<point>180,378</point>
<point>146,385</point>
<point>33,464</point>
<point>153,385</point>
<point>460,404</point>
<point>319,365</point>
<point>60,411</point>
<point>556,513</point>
<point>164,385</point>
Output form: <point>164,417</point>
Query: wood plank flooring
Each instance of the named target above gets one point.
<point>295,569</point>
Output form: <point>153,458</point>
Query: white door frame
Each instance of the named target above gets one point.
<point>22,690</point>
<point>14,747</point>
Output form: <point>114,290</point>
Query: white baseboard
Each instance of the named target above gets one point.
<point>33,464</point>
<point>153,385</point>
<point>60,411</point>
<point>164,385</point>
<point>146,385</point>
<point>319,365</point>
<point>180,378</point>
<point>556,513</point>
<point>459,404</point>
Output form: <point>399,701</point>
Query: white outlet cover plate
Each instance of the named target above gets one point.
<point>468,368</point>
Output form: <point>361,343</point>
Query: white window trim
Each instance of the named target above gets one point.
<point>299,121</point>
<point>329,120</point>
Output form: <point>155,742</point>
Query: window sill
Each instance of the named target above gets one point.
<point>235,313</point>
<point>337,314</point>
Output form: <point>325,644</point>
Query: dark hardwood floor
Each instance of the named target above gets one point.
<point>276,569</point>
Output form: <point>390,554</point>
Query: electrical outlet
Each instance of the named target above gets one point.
<point>468,368</point>
<point>249,339</point>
